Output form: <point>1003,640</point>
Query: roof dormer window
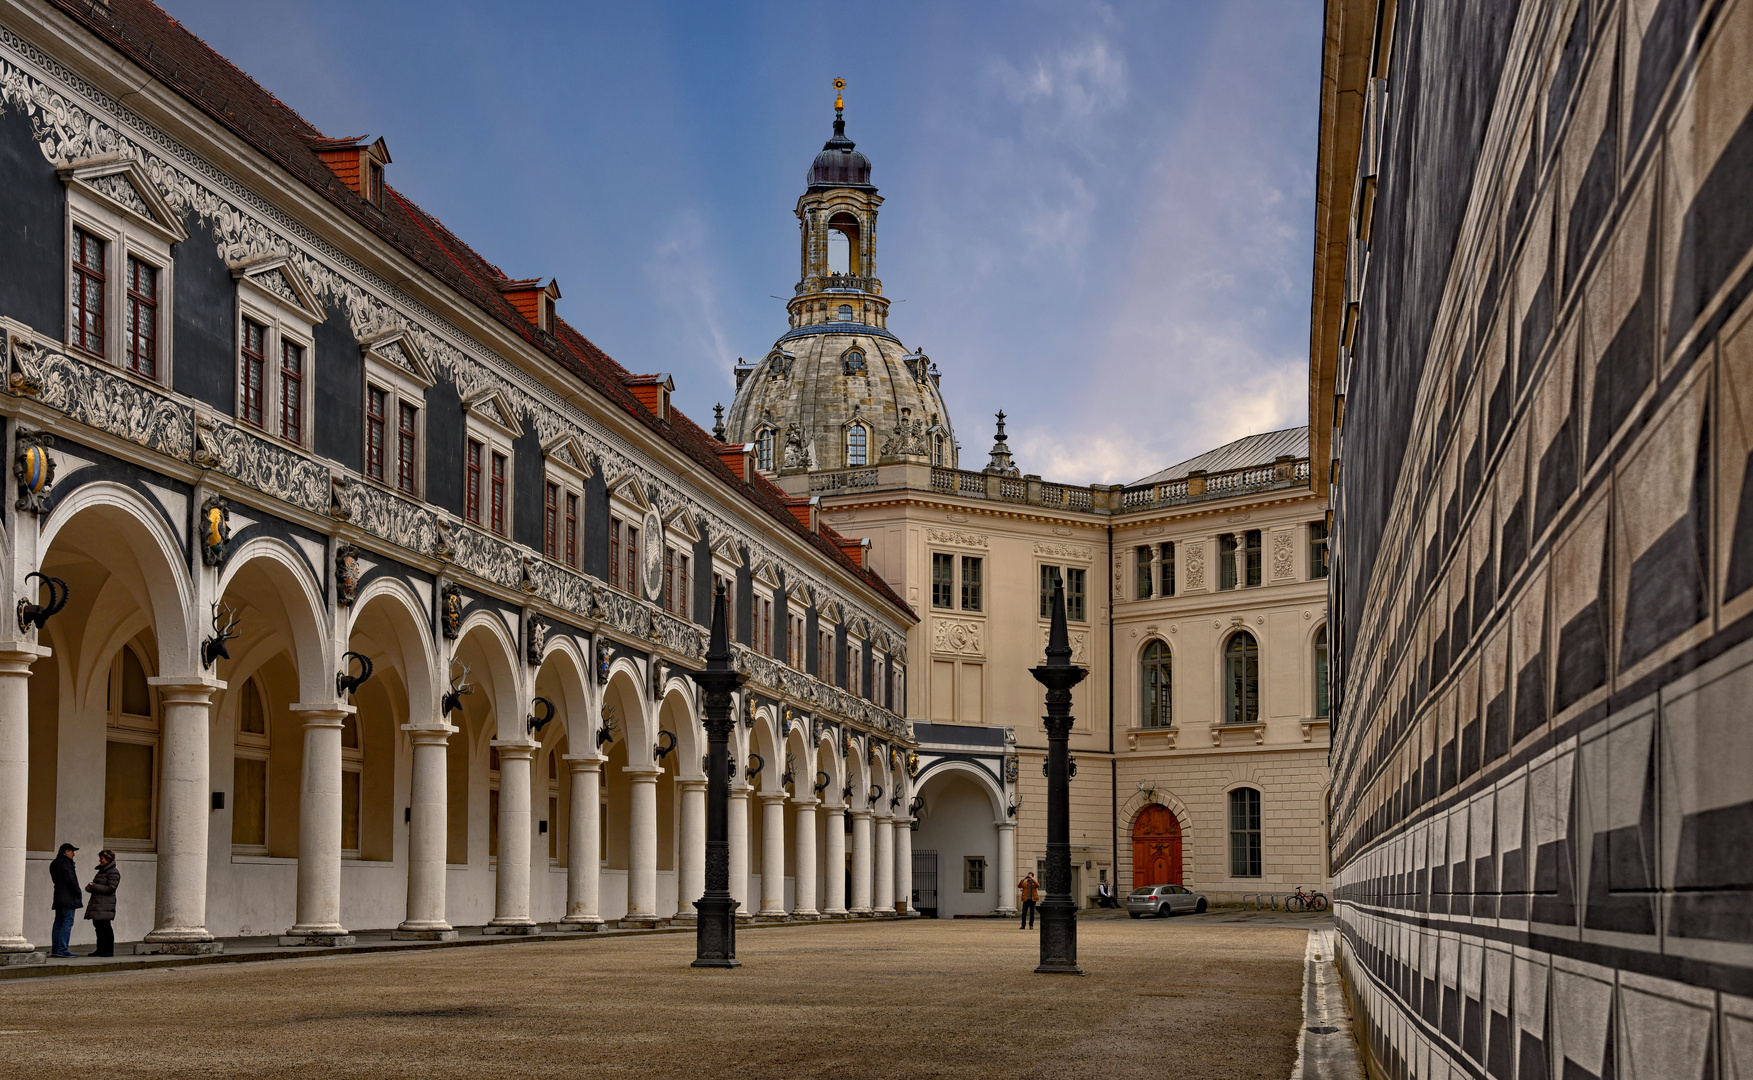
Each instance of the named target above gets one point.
<point>356,162</point>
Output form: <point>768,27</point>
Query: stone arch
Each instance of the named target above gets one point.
<point>676,713</point>
<point>828,760</point>
<point>624,693</point>
<point>981,778</point>
<point>495,663</point>
<point>268,575</point>
<point>764,740</point>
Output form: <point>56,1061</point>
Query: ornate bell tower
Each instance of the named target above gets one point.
<point>838,283</point>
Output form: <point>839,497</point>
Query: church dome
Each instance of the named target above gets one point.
<point>839,165</point>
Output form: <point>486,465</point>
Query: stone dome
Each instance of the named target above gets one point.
<point>839,165</point>
<point>800,403</point>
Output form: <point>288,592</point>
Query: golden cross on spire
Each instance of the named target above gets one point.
<point>839,85</point>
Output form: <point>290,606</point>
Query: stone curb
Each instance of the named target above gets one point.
<point>1326,1048</point>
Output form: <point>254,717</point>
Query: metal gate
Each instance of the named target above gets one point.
<point>925,883</point>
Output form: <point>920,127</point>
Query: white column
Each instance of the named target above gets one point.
<point>1007,872</point>
<point>691,882</point>
<point>773,854</point>
<point>16,657</point>
<point>511,889</point>
<point>739,848</point>
<point>834,861</point>
<point>319,829</point>
<point>642,845</point>
<point>904,865</point>
<point>804,844</point>
<point>884,899</point>
<point>427,836</point>
<point>860,862</point>
<point>584,845</point>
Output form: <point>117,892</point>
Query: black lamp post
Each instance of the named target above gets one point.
<point>715,926</point>
<point>1059,910</point>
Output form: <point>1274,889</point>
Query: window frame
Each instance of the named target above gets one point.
<point>251,746</point>
<point>1234,705</point>
<point>282,323</point>
<point>1320,658</point>
<point>1319,566</point>
<point>496,510</point>
<point>400,386</point>
<point>135,729</point>
<point>857,443</point>
<point>1156,685</point>
<point>973,873</point>
<point>127,234</point>
<point>1249,832</point>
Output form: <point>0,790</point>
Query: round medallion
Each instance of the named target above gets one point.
<point>651,558</point>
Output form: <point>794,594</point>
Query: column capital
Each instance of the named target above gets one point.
<point>692,785</point>
<point>16,657</point>
<point>186,689</point>
<point>643,774</point>
<point>429,734</point>
<point>583,763</point>
<point>514,750</point>
<point>807,803</point>
<point>331,714</point>
<point>1006,826</point>
<point>773,796</point>
<point>856,814</point>
<point>835,808</point>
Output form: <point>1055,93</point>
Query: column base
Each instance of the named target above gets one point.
<point>511,929</point>
<point>836,913</point>
<point>579,926</point>
<point>805,916</point>
<point>768,918</point>
<point>638,922</point>
<point>685,918</point>
<point>1007,912</point>
<point>423,935</point>
<point>20,959</point>
<point>318,941</point>
<point>178,948</point>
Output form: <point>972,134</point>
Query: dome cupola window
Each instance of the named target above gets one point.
<point>857,440</point>
<point>853,362</point>
<point>764,450</point>
<point>845,312</point>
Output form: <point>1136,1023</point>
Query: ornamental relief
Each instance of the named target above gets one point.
<point>952,636</point>
<point>1063,551</point>
<point>1195,567</point>
<point>268,468</point>
<point>247,227</point>
<point>1078,640</point>
<point>952,536</point>
<point>1282,548</point>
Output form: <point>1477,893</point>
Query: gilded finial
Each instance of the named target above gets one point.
<point>839,104</point>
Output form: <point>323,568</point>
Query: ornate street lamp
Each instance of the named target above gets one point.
<point>715,928</point>
<point>1058,910</point>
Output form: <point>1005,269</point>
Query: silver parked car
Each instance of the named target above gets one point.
<point>1164,900</point>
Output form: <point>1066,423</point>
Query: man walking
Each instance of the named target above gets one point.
<point>1031,890</point>
<point>66,878</point>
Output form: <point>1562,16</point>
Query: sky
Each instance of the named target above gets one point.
<point>1097,217</point>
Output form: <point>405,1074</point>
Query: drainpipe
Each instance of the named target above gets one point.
<point>1113,762</point>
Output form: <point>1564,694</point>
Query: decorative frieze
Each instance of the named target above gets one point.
<point>955,537</point>
<point>958,636</point>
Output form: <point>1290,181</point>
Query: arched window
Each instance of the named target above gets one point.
<point>131,756</point>
<point>845,312</point>
<point>249,777</point>
<point>1241,679</point>
<point>764,450</point>
<point>855,442</point>
<point>853,363</point>
<point>937,450</point>
<point>1157,710</point>
<point>1245,832</point>
<point>352,772</point>
<point>1321,672</point>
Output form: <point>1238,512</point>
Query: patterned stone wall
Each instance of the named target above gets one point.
<point>1543,766</point>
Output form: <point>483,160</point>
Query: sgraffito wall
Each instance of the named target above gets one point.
<point>1543,589</point>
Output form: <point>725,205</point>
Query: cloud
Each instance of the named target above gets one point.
<point>687,285</point>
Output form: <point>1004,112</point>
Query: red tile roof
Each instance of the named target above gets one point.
<point>146,35</point>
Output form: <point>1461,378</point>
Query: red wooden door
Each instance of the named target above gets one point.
<point>1156,848</point>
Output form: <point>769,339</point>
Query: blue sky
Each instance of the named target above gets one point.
<point>1098,216</point>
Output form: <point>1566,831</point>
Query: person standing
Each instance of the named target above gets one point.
<point>102,909</point>
<point>66,879</point>
<point>1031,891</point>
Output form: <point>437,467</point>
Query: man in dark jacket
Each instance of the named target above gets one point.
<point>66,878</point>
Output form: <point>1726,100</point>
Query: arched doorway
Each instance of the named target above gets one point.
<point>1156,847</point>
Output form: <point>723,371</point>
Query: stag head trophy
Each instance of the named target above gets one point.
<point>213,648</point>
<point>606,733</point>
<point>453,698</point>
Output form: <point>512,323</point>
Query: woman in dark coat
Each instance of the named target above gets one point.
<point>102,909</point>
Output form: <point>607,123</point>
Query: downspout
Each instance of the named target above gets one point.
<point>1113,762</point>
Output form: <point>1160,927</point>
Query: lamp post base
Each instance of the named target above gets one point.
<point>715,932</point>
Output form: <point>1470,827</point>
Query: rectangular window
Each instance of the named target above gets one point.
<point>292,391</point>
<point>572,530</point>
<point>1049,577</point>
<point>376,406</point>
<point>553,824</point>
<point>632,554</point>
<point>472,458</point>
<point>551,520</point>
<point>669,578</point>
<point>682,608</point>
<point>1226,561</point>
<point>254,374</point>
<point>1317,549</point>
<point>407,416</point>
<point>824,656</point>
<point>970,583</point>
<point>1141,557</point>
<point>1251,556</point>
<point>142,319</point>
<point>350,811</point>
<point>855,671</point>
<point>1074,594</point>
<point>128,788</point>
<point>499,494</point>
<point>767,627</point>
<point>974,873</point>
<point>943,584</point>
<point>249,802</point>
<point>1166,571</point>
<point>615,551</point>
<point>1245,833</point>
<point>87,289</point>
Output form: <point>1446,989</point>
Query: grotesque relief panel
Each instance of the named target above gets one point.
<point>955,636</point>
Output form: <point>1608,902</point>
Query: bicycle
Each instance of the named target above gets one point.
<point>1305,901</point>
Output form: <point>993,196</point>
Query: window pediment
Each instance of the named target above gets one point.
<point>567,454</point>
<point>681,524</point>
<point>494,409</point>
<point>727,552</point>
<point>396,350</point>
<point>124,186</point>
<point>276,276</point>
<point>631,491</point>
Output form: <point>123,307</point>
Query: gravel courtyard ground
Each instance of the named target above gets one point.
<point>1190,998</point>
